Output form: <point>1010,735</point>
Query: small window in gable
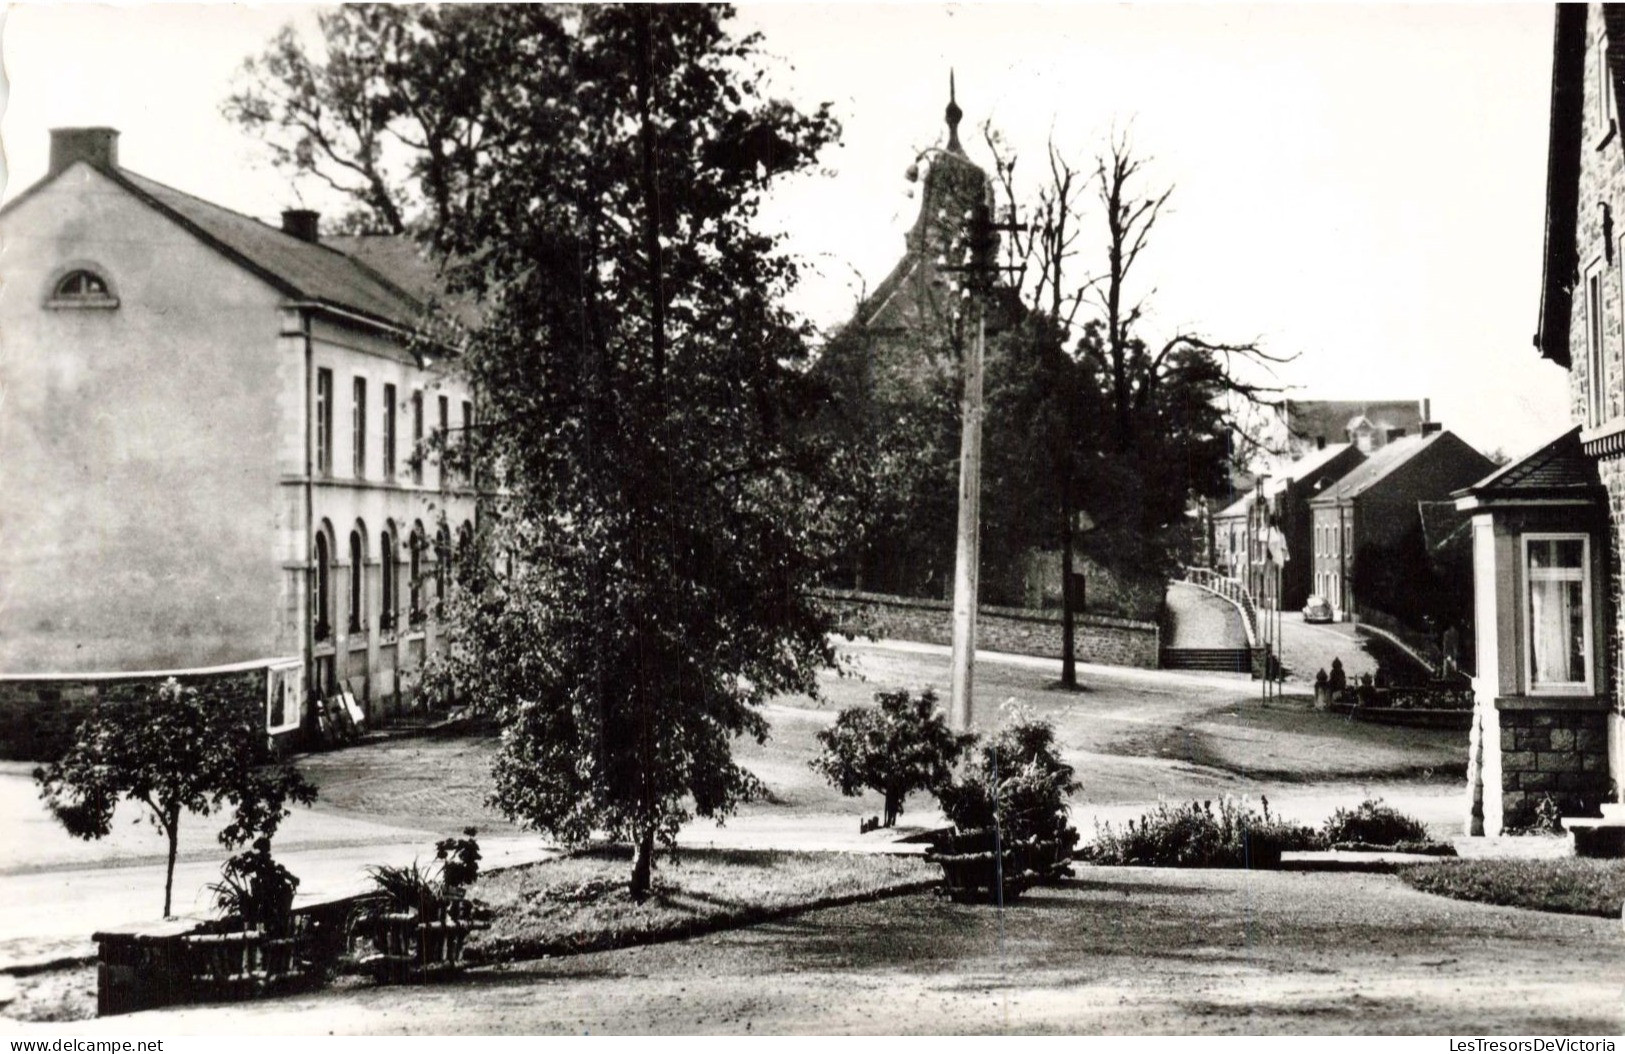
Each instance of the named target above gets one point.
<point>82,287</point>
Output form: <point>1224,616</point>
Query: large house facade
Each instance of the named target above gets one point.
<point>1547,528</point>
<point>215,442</point>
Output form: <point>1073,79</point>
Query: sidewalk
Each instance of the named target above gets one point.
<point>1087,671</point>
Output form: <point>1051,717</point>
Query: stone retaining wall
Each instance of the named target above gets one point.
<point>1097,638</point>
<point>39,714</point>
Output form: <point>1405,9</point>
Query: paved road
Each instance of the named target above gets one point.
<point>1198,619</point>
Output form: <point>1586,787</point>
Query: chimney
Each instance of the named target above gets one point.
<point>95,146</point>
<point>1427,409</point>
<point>302,224</point>
<point>1430,427</point>
<point>1395,433</point>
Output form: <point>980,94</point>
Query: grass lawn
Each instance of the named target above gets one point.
<point>1570,885</point>
<point>581,903</point>
<point>1130,741</point>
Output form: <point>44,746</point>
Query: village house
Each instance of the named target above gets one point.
<point>1278,508</point>
<point>1363,523</point>
<point>216,449</point>
<point>1306,425</point>
<point>1547,527</point>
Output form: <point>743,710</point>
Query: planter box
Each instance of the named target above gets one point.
<point>413,946</point>
<point>188,962</point>
<point>973,874</point>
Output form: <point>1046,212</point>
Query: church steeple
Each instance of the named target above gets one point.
<point>953,114</point>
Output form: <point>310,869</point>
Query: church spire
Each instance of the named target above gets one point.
<point>953,114</point>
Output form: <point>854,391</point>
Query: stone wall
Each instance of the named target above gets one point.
<point>1549,751</point>
<point>1098,638</point>
<point>38,715</point>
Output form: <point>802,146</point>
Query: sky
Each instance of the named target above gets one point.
<point>1359,186</point>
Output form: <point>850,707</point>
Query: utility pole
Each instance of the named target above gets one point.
<point>967,550</point>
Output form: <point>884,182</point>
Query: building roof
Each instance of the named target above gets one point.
<point>1331,419</point>
<point>302,270</point>
<point>1558,469</point>
<point>1382,463</point>
<point>1560,259</point>
<point>1240,507</point>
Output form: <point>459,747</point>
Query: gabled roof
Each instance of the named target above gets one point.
<point>1240,507</point>
<point>1385,461</point>
<point>301,270</point>
<point>1314,461</point>
<point>1558,470</point>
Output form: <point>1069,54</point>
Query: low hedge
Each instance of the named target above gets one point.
<point>1569,886</point>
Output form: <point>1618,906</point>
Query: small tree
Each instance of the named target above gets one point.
<point>897,747</point>
<point>173,750</point>
<point>1017,782</point>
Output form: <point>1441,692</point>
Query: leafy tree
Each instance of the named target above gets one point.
<point>900,745</point>
<point>657,518</point>
<point>173,750</point>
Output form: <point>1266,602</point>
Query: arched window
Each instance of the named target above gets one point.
<point>358,579</point>
<point>415,572</point>
<point>442,568</point>
<point>82,287</point>
<point>390,564</point>
<point>321,590</point>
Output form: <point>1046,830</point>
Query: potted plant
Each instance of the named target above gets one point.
<point>1009,815</point>
<point>419,916</point>
<point>258,941</point>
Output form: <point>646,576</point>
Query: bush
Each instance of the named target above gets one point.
<point>897,747</point>
<point>256,890</point>
<point>1197,835</point>
<point>1017,783</point>
<point>1542,815</point>
<point>1373,823</point>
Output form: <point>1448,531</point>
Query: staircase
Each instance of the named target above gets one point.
<point>1217,660</point>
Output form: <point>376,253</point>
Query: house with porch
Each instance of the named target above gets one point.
<point>1547,528</point>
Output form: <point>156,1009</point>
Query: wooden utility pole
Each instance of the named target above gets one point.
<point>968,548</point>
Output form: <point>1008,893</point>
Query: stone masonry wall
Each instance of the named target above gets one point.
<point>1098,639</point>
<point>1561,753</point>
<point>38,715</point>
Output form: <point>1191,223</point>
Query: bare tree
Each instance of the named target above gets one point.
<point>1148,424</point>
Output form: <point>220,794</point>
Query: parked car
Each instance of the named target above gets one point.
<point>1319,609</point>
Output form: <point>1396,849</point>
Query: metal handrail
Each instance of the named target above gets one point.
<point>1231,590</point>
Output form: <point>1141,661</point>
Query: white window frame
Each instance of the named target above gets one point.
<point>1596,320</point>
<point>1569,688</point>
<point>1604,85</point>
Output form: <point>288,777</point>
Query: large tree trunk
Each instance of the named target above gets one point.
<point>643,863</point>
<point>894,805</point>
<point>172,827</point>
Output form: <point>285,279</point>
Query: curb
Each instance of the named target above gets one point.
<point>66,962</point>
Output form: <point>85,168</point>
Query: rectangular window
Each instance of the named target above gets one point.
<point>358,427</point>
<point>1604,86</point>
<point>445,435</point>
<point>324,422</point>
<point>1597,373</point>
<point>1559,611</point>
<point>417,436</point>
<point>466,445</point>
<point>389,431</point>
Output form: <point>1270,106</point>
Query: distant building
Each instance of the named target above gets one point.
<point>1278,510</point>
<point>214,443</point>
<point>1368,425</point>
<point>1362,523</point>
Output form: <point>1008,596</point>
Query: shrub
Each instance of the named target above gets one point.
<point>459,861</point>
<point>899,746</point>
<point>256,890</point>
<point>1197,835</point>
<point>1542,815</point>
<point>1373,823</point>
<point>1017,783</point>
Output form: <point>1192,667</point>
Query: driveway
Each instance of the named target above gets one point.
<point>1114,951</point>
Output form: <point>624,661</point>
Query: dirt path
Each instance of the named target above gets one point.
<point>1116,951</point>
